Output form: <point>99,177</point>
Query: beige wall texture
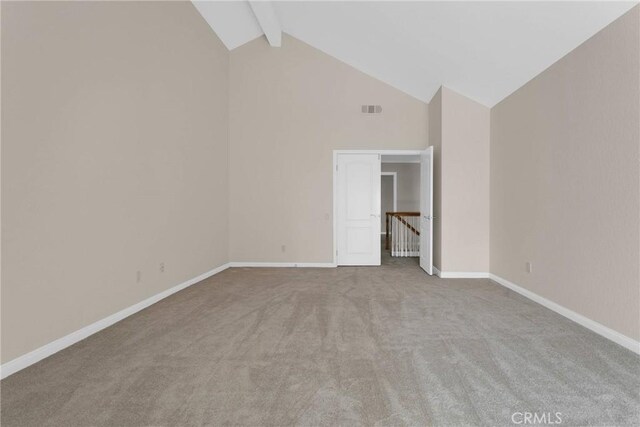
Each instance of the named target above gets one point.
<point>114,159</point>
<point>459,132</point>
<point>386,199</point>
<point>290,107</point>
<point>465,184</point>
<point>565,192</point>
<point>408,184</point>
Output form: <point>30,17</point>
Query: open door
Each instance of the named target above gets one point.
<point>426,210</point>
<point>358,209</point>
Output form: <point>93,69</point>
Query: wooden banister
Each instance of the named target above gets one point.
<point>399,216</point>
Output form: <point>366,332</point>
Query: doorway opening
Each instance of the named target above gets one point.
<point>366,184</point>
<point>400,210</point>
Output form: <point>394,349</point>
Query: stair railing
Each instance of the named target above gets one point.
<point>402,235</point>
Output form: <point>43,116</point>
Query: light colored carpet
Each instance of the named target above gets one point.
<point>348,346</point>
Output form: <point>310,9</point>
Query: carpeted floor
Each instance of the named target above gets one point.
<point>348,346</point>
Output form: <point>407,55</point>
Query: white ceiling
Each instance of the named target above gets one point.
<point>483,50</point>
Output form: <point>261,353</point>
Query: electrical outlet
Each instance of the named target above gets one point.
<point>283,248</point>
<point>138,276</point>
<point>162,267</point>
<point>529,267</point>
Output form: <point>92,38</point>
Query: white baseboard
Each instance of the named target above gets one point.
<point>47,350</point>
<point>408,254</point>
<point>461,274</point>
<point>283,264</point>
<point>596,327</point>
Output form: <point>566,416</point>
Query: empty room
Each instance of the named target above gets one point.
<point>320,213</point>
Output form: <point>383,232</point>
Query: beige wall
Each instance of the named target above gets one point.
<point>386,199</point>
<point>289,109</point>
<point>114,159</point>
<point>565,191</point>
<point>408,184</point>
<point>435,140</point>
<point>459,132</point>
<point>465,184</point>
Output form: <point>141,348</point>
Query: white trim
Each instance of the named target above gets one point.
<point>386,162</point>
<point>335,207</point>
<point>47,350</point>
<point>53,347</point>
<point>598,328</point>
<point>381,152</point>
<point>283,264</point>
<point>462,274</point>
<point>405,254</point>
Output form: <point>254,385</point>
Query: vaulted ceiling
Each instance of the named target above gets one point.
<point>484,50</point>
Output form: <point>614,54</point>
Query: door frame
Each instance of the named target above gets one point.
<point>426,204</point>
<point>335,184</point>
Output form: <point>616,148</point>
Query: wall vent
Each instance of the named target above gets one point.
<point>372,109</point>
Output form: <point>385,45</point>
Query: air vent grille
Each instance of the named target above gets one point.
<point>371,109</point>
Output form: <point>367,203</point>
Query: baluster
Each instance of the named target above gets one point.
<point>398,249</point>
<point>399,231</point>
<point>407,237</point>
<point>399,224</point>
<point>408,234</point>
<point>415,237</point>
<point>412,238</point>
<point>404,240</point>
<point>418,244</point>
<point>397,234</point>
<point>394,235</point>
<point>401,235</point>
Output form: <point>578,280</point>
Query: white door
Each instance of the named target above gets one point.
<point>358,209</point>
<point>426,210</point>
